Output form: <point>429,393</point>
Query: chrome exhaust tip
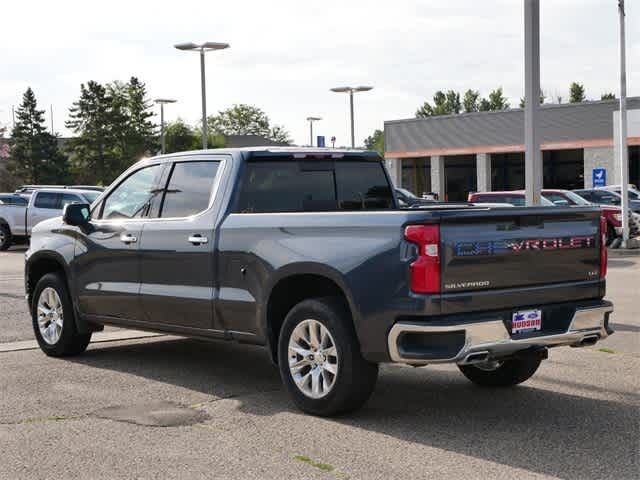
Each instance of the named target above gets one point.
<point>476,357</point>
<point>589,340</point>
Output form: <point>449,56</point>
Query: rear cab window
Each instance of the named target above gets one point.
<point>280,186</point>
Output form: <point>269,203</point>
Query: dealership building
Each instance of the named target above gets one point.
<point>453,155</point>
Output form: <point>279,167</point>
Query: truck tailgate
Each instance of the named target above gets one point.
<point>505,248</point>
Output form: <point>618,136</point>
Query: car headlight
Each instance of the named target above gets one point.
<point>617,217</point>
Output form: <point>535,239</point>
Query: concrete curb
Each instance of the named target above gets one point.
<point>99,337</point>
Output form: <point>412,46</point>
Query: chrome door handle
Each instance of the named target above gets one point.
<point>198,239</point>
<point>128,238</point>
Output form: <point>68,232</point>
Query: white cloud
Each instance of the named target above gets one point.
<point>285,55</point>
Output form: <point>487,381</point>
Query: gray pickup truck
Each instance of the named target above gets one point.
<point>305,251</point>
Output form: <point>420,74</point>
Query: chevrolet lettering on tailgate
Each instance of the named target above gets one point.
<point>496,247</point>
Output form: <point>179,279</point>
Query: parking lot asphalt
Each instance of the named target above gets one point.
<point>99,415</point>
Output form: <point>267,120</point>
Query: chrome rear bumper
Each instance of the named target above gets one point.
<point>490,338</point>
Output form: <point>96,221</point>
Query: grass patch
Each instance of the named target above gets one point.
<point>322,466</point>
<point>606,350</point>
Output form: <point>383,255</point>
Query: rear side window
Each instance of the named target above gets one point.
<point>189,189</point>
<point>312,186</point>
<point>47,200</point>
<point>363,186</point>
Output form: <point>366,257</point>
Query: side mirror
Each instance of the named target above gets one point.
<point>76,214</point>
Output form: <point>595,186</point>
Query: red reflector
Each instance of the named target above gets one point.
<point>603,247</point>
<point>425,271</point>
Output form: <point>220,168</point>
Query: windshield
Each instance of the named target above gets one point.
<point>91,196</point>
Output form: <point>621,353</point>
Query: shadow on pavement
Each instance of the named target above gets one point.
<point>551,433</point>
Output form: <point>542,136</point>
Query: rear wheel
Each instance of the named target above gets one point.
<point>53,319</point>
<point>320,361</point>
<point>502,373</point>
<point>6,238</point>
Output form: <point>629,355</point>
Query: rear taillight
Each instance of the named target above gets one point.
<point>603,247</point>
<point>425,271</point>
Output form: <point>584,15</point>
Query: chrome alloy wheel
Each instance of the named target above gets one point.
<point>3,237</point>
<point>313,358</point>
<point>50,316</point>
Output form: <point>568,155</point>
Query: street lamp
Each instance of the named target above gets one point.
<point>162,102</point>
<point>351,91</point>
<point>311,120</point>
<point>202,48</point>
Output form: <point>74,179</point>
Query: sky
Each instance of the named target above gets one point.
<point>286,55</point>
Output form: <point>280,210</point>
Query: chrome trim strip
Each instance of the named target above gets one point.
<point>492,336</point>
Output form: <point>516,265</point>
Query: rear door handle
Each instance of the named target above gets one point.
<point>128,238</point>
<point>198,239</point>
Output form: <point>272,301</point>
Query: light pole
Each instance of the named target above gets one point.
<point>162,102</point>
<point>533,155</point>
<point>623,152</point>
<point>202,48</point>
<point>311,120</point>
<point>351,91</point>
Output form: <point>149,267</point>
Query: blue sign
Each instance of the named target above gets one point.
<point>599,177</point>
<point>320,141</point>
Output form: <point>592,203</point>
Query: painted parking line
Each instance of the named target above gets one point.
<point>100,337</point>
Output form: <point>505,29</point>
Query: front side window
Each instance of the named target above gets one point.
<point>189,189</point>
<point>134,196</point>
<point>47,200</point>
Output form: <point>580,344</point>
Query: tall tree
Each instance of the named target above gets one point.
<point>470,100</point>
<point>179,137</point>
<point>375,142</point>
<point>243,119</point>
<point>543,97</point>
<point>608,96</point>
<point>496,101</point>
<point>443,104</point>
<point>113,129</point>
<point>576,93</point>
<point>35,157</point>
<point>93,155</point>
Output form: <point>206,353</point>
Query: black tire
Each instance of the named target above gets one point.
<point>6,239</point>
<point>509,373</point>
<point>70,342</point>
<point>355,379</point>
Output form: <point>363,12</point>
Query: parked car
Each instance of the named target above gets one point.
<point>18,218</point>
<point>634,193</point>
<point>306,252</point>
<point>612,214</point>
<point>13,199</point>
<point>29,189</point>
<point>551,197</point>
<point>601,196</point>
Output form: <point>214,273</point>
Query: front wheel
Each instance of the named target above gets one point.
<point>6,238</point>
<point>502,373</point>
<point>320,361</point>
<point>53,319</point>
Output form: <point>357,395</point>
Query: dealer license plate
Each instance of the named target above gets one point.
<point>526,321</point>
